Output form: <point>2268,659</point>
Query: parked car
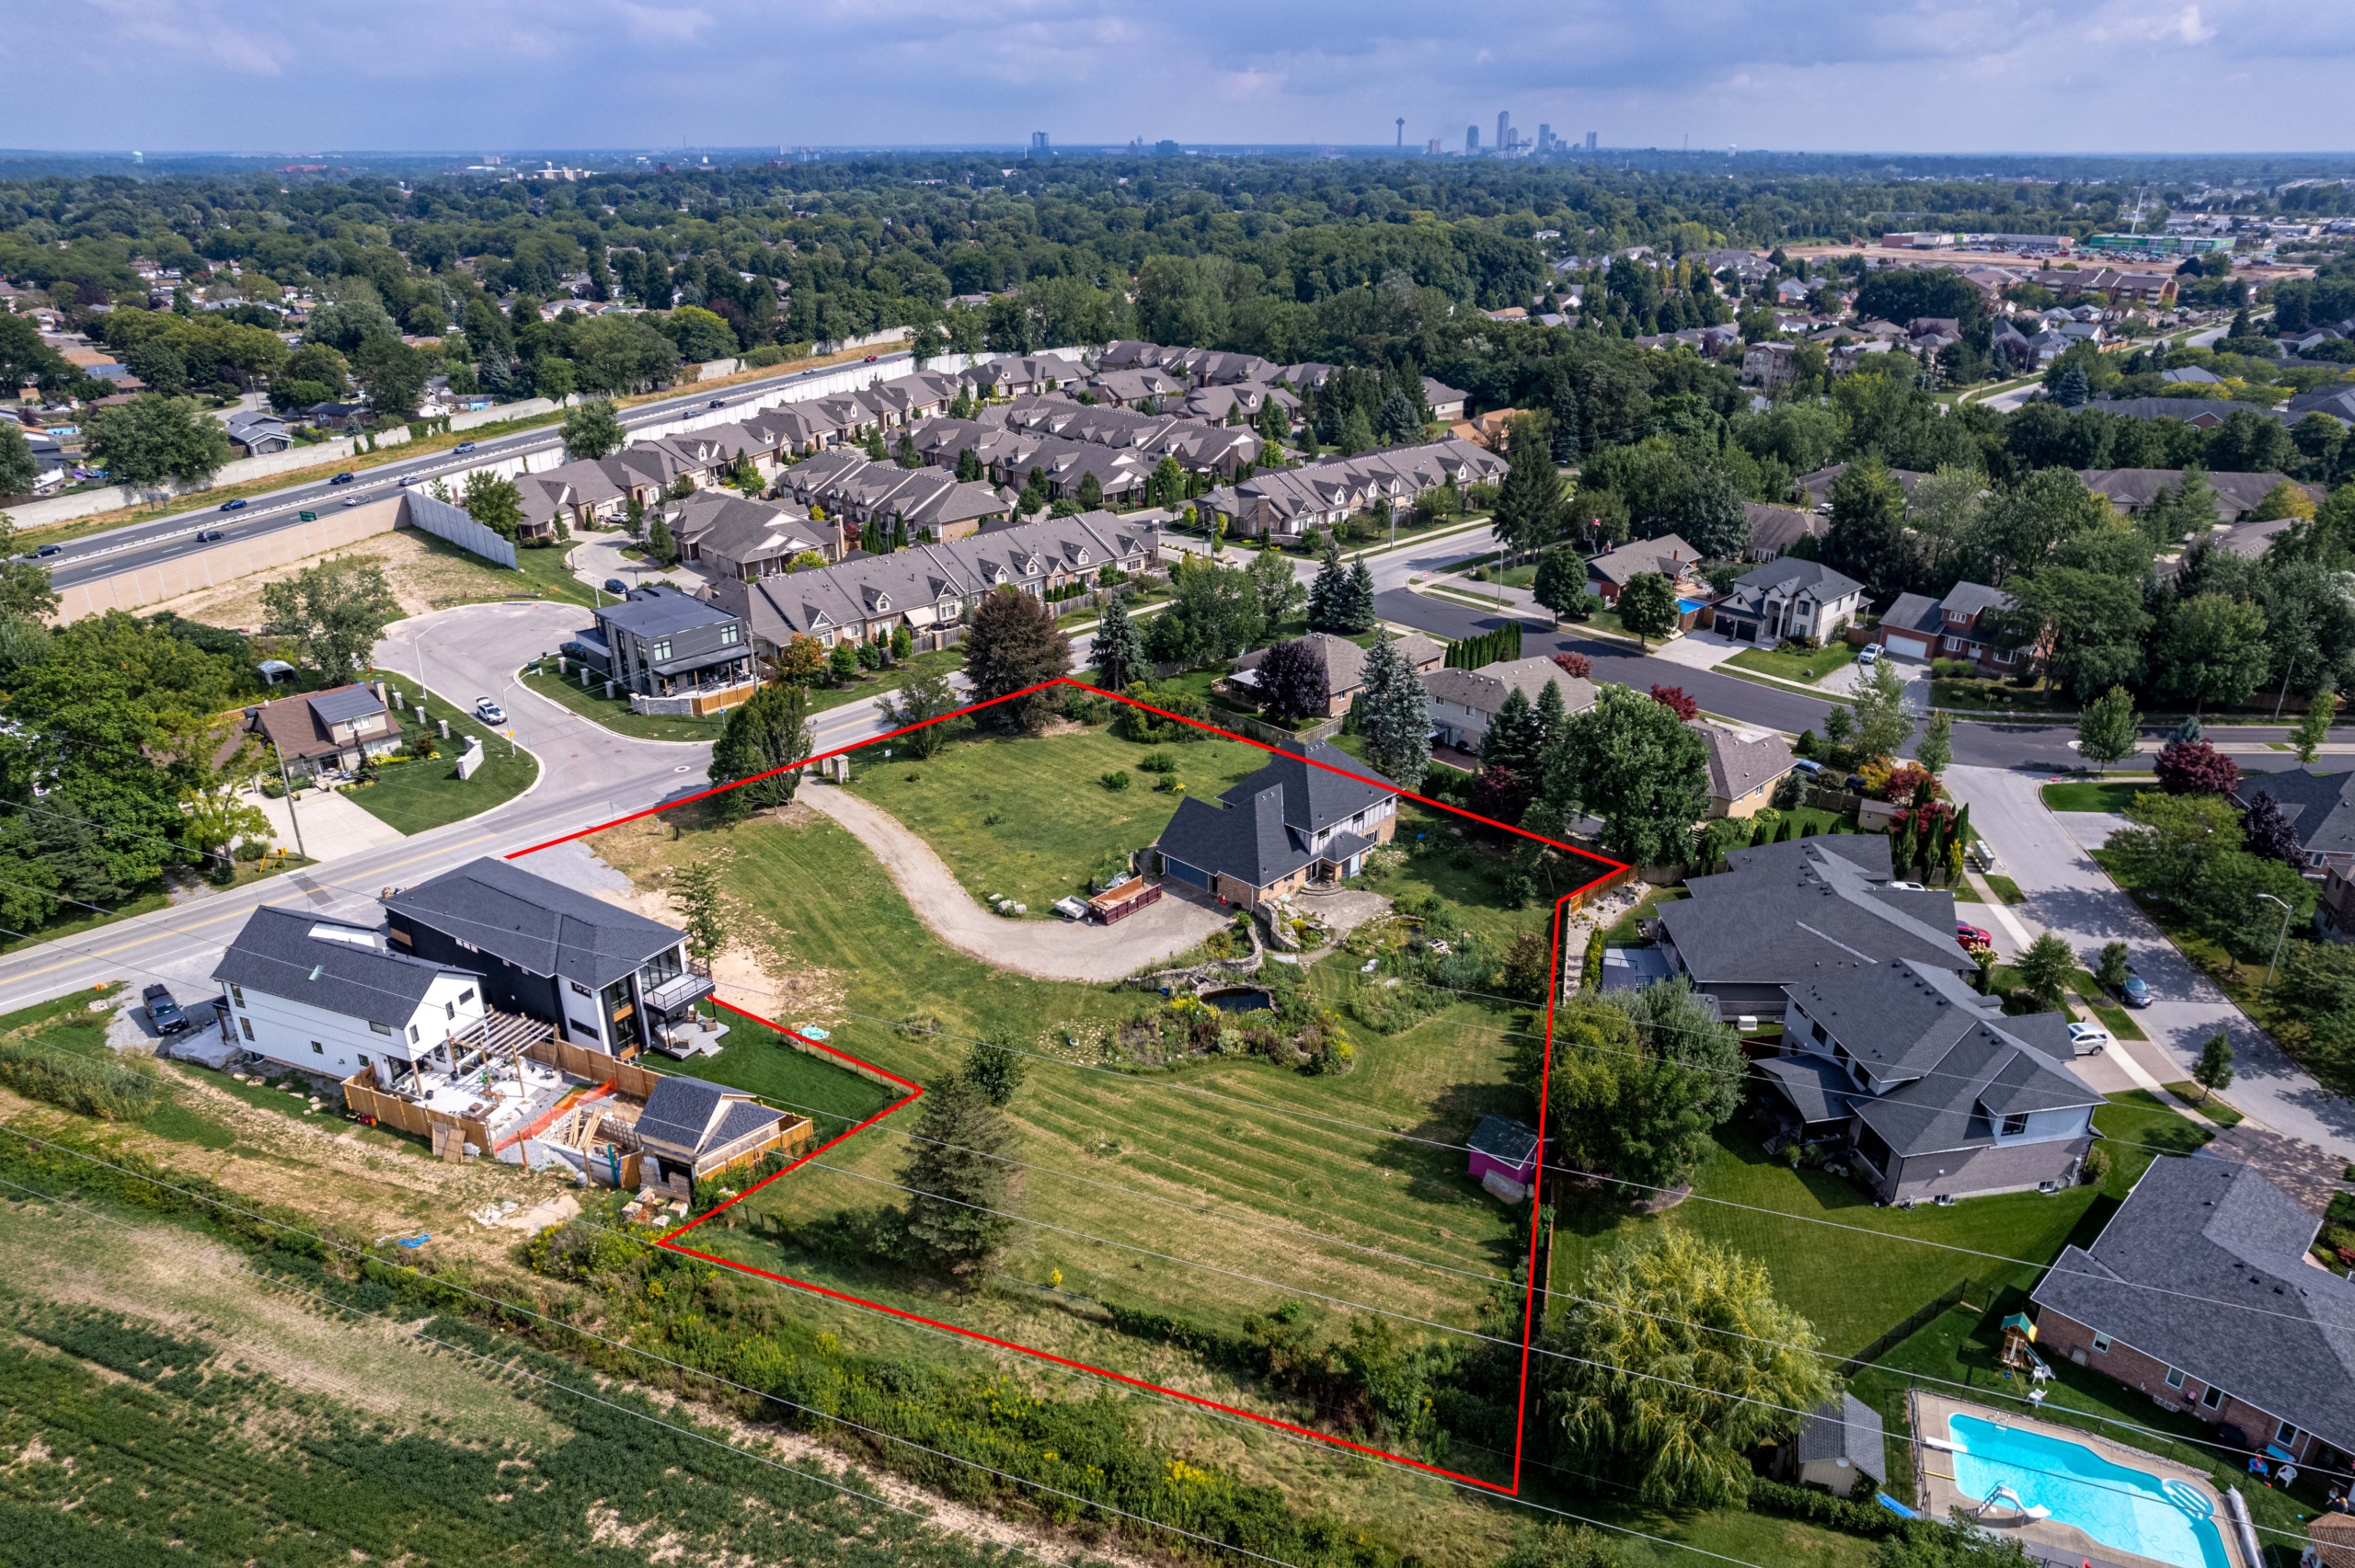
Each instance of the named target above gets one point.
<point>2090,1039</point>
<point>2136,991</point>
<point>488,711</point>
<point>1806,765</point>
<point>162,1011</point>
<point>1905,887</point>
<point>1869,654</point>
<point>345,478</point>
<point>464,446</point>
<point>1854,783</point>
<point>616,585</point>
<point>1971,935</point>
<point>582,651</point>
<point>236,505</point>
<point>207,535</point>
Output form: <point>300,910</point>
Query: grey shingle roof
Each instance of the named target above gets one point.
<point>1844,1427</point>
<point>1789,577</point>
<point>2319,807</point>
<point>2203,1268</point>
<point>1502,1137</point>
<point>1261,831</point>
<point>1912,613</point>
<point>1785,911</point>
<point>680,1112</point>
<point>536,925</point>
<point>659,608</point>
<point>1484,689</point>
<point>1737,766</point>
<point>277,953</point>
<point>1816,1087</point>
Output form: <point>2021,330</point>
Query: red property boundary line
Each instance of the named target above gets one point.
<point>669,1240</point>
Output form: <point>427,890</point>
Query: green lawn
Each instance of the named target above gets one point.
<point>1791,664</point>
<point>66,1024</point>
<point>542,573</point>
<point>427,791</point>
<point>1622,933</point>
<point>614,713</point>
<point>1031,820</point>
<point>2087,795</point>
<point>2209,1105</point>
<point>1997,696</point>
<point>2004,887</point>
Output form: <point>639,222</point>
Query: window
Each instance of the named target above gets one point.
<point>318,1049</point>
<point>2213,1398</point>
<point>380,1029</point>
<point>579,988</point>
<point>729,635</point>
<point>2174,1377</point>
<point>451,1008</point>
<point>2101,1345</point>
<point>363,1064</point>
<point>246,1025</point>
<point>238,995</point>
<point>2014,1124</point>
<point>412,1034</point>
<point>656,653</point>
<point>467,997</point>
<point>2285,1434</point>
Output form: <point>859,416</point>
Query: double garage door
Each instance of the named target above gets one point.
<point>1907,647</point>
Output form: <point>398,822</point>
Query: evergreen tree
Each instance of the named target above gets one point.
<point>1091,492</point>
<point>1533,504</point>
<point>1395,718</point>
<point>1324,593</point>
<point>1118,649</point>
<point>1514,739</point>
<point>964,1185</point>
<point>1550,715</point>
<point>1357,613</point>
<point>968,467</point>
<point>2074,389</point>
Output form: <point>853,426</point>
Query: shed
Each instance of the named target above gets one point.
<point>1504,1147</point>
<point>706,1129</point>
<point>1839,1446</point>
<point>2330,1542</point>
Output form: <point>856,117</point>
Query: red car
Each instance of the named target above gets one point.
<point>1972,935</point>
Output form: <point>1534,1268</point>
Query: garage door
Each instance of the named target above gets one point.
<point>1184,873</point>
<point>1909,648</point>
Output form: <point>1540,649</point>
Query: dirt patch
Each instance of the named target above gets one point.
<point>425,575</point>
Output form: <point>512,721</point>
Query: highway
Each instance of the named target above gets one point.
<point>146,544</point>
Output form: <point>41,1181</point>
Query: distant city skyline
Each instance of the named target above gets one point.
<point>1997,76</point>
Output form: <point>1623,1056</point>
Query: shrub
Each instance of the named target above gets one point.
<point>1821,1508</point>
<point>2096,1169</point>
<point>106,1088</point>
<point>1157,763</point>
<point>1115,781</point>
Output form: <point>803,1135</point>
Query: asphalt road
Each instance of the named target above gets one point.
<point>145,543</point>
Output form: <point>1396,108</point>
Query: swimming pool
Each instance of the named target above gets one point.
<point>2133,1510</point>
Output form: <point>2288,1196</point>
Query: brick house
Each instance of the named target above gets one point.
<point>1608,574</point>
<point>2200,1293</point>
<point>1961,626</point>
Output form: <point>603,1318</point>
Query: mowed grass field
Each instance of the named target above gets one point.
<point>1031,820</point>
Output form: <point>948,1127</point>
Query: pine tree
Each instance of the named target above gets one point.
<point>1513,740</point>
<point>1357,604</point>
<point>2074,388</point>
<point>1324,593</point>
<point>1119,648</point>
<point>1550,715</point>
<point>968,467</point>
<point>1396,720</point>
<point>964,1186</point>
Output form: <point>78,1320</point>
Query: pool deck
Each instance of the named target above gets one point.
<point>1936,1495</point>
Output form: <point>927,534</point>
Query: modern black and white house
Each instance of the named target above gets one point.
<point>330,997</point>
<point>662,641</point>
<point>1936,1094</point>
<point>1782,911</point>
<point>608,979</point>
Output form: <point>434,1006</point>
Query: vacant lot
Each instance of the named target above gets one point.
<point>1032,820</point>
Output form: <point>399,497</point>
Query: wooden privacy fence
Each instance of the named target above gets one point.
<point>579,1062</point>
<point>363,1098</point>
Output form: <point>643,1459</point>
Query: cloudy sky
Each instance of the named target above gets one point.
<point>2219,76</point>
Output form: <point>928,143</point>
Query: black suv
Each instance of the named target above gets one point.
<point>162,1011</point>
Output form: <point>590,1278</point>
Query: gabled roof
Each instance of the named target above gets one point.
<point>346,704</point>
<point>297,727</point>
<point>1263,831</point>
<point>538,925</point>
<point>689,1114</point>
<point>1844,1427</point>
<point>1668,554</point>
<point>1502,1137</point>
<point>2204,1268</point>
<point>1484,689</point>
<point>2319,807</point>
<point>1314,797</point>
<point>1738,767</point>
<point>334,964</point>
<point>1785,911</point>
<point>1788,577</point>
<point>1778,528</point>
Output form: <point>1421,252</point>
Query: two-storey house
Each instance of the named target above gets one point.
<point>325,731</point>
<point>1309,816</point>
<point>608,979</point>
<point>662,641</point>
<point>330,997</point>
<point>1788,598</point>
<point>1936,1094</point>
<point>1961,626</point>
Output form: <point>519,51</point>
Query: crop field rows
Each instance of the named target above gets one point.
<point>1168,1202</point>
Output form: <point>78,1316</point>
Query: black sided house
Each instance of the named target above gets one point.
<point>1290,825</point>
<point>608,979</point>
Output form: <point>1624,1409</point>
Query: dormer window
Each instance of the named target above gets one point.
<point>2015,1123</point>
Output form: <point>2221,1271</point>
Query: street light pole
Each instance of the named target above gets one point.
<point>2279,940</point>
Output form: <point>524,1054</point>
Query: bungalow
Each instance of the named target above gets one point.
<point>732,537</point>
<point>2131,491</point>
<point>1774,531</point>
<point>609,980</point>
<point>256,432</point>
<point>1781,911</point>
<point>1344,665</point>
<point>662,642</point>
<point>928,503</point>
<point>1309,817</point>
<point>703,1128</point>
<point>1134,388</point>
<point>1744,771</point>
<point>2199,1292</point>
<point>1607,574</point>
<point>1961,626</point>
<point>1817,486</point>
<point>1935,1092</point>
<point>2319,807</point>
<point>330,997</point>
<point>1789,599</point>
<point>340,727</point>
<point>1464,702</point>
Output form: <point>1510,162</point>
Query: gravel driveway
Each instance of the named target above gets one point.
<point>1047,950</point>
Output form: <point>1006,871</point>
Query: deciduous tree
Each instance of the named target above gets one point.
<point>1294,681</point>
<point>593,429</point>
<point>1634,763</point>
<point>153,439</point>
<point>1647,606</point>
<point>2108,728</point>
<point>761,736</point>
<point>920,705</point>
<point>1014,645</point>
<point>335,612</point>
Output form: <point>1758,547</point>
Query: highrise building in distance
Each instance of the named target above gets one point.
<point>1038,145</point>
<point>1544,137</point>
<point>1471,140</point>
<point>1589,140</point>
<point>1504,130</point>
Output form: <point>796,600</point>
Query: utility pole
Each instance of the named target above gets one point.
<point>288,784</point>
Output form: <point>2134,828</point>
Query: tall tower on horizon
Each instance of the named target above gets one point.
<point>1471,140</point>
<point>1038,145</point>
<point>1504,130</point>
<point>1402,132</point>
